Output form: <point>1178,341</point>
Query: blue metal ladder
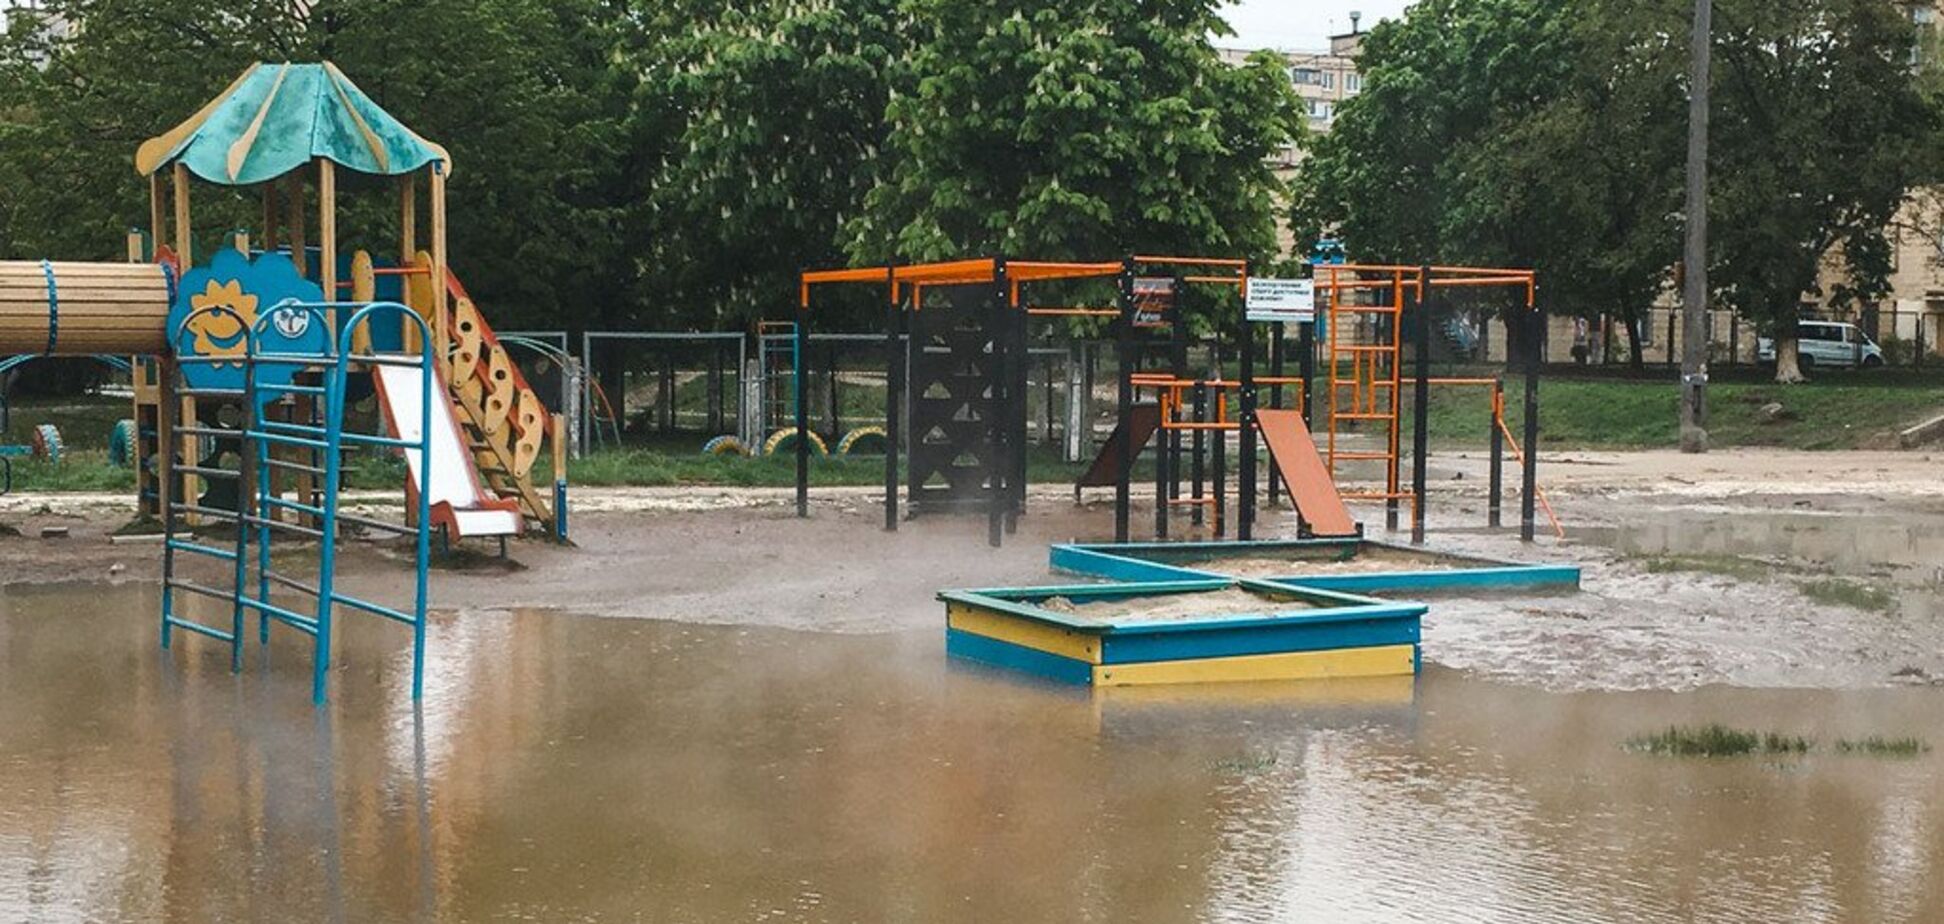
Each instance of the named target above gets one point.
<point>263,515</point>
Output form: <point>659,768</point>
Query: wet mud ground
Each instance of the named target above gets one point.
<point>731,715</point>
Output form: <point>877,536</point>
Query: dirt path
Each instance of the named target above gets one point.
<point>1873,521</point>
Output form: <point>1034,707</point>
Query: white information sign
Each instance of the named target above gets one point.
<point>1287,300</point>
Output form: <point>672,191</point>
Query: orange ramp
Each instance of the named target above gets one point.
<point>1302,469</point>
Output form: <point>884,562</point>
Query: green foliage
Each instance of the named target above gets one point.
<point>1819,132</point>
<point>1854,594</point>
<point>1880,746</point>
<point>521,93</point>
<point>1077,130</point>
<point>775,117</point>
<point>1551,133</point>
<point>1533,133</point>
<point>1717,740</point>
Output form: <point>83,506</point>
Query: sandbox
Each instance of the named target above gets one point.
<point>1196,630</point>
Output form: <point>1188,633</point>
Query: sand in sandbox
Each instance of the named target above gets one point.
<point>1366,563</point>
<point>1179,607</point>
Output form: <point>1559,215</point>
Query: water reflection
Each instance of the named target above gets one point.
<point>568,768</point>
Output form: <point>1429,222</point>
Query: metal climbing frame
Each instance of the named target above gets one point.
<point>1365,308</point>
<point>313,447</point>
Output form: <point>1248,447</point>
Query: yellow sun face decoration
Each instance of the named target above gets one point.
<point>221,333</point>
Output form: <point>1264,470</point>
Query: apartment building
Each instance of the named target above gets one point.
<point>1322,79</point>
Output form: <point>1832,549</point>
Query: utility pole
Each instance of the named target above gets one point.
<point>1694,295</point>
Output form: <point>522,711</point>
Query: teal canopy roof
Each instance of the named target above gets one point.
<point>275,118</point>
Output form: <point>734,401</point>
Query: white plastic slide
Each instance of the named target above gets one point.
<point>453,491</point>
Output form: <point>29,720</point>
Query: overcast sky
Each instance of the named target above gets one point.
<point>1300,24</point>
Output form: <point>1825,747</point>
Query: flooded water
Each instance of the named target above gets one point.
<point>569,768</point>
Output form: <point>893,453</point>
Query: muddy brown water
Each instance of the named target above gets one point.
<point>573,768</point>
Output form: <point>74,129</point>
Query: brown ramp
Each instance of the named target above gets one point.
<point>1143,419</point>
<point>1303,471</point>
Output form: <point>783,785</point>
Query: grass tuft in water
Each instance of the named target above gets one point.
<point>1879,746</point>
<point>1716,740</point>
<point>1842,592</point>
<point>1729,566</point>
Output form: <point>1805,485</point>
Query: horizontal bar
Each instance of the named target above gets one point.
<point>211,432</point>
<point>1193,261</point>
<point>269,523</point>
<point>294,466</point>
<point>294,620</point>
<point>200,629</point>
<point>373,609</point>
<point>202,472</point>
<point>210,392</point>
<point>203,589</point>
<point>1166,425</point>
<point>209,550</point>
<point>282,504</point>
<point>367,439</point>
<point>1360,456</point>
<point>288,440</point>
<point>370,523</point>
<point>389,359</point>
<point>185,507</point>
<point>1218,280</point>
<point>1192,502</point>
<point>289,582</point>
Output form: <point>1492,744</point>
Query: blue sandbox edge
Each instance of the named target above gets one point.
<point>1121,563</point>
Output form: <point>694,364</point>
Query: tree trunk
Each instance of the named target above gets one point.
<point>1787,370</point>
<point>1634,359</point>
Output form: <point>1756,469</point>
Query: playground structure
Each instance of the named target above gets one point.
<point>955,370</point>
<point>247,366</point>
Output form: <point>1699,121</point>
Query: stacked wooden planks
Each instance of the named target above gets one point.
<point>92,308</point>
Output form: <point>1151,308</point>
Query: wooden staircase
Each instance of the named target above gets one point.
<point>503,420</point>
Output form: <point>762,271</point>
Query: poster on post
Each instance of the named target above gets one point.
<point>1154,301</point>
<point>1290,301</point>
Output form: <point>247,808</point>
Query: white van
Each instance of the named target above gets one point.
<point>1827,343</point>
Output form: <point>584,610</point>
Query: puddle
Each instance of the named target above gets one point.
<point>569,768</point>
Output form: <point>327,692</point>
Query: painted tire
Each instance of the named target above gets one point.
<point>786,437</point>
<point>47,443</point>
<point>121,443</point>
<point>724,446</point>
<point>866,440</point>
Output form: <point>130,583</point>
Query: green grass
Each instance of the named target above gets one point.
<point>1716,740</point>
<point>1879,746</point>
<point>78,470</point>
<point>1850,412</point>
<point>1731,566</point>
<point>1844,592</point>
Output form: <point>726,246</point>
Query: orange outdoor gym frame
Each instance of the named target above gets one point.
<point>1366,374</point>
<point>904,286</point>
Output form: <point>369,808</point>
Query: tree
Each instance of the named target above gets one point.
<point>1517,133</point>
<point>775,113</point>
<point>520,92</point>
<point>1821,131</point>
<point>1077,130</point>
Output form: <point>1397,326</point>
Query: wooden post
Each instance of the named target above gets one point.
<point>165,426</point>
<point>299,227</point>
<point>440,348</point>
<point>327,236</point>
<point>407,220</point>
<point>408,252</point>
<point>181,183</point>
<point>157,231</point>
<point>269,216</point>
